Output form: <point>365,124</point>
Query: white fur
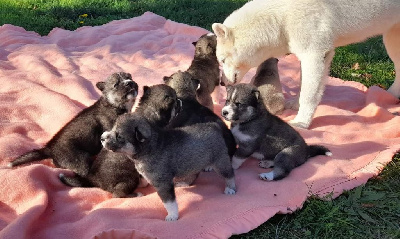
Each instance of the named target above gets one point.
<point>240,136</point>
<point>258,155</point>
<point>172,210</point>
<point>267,176</point>
<point>230,186</point>
<point>237,162</point>
<point>310,29</point>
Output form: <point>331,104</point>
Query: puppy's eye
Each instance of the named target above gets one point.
<point>116,84</point>
<point>238,104</point>
<point>119,137</point>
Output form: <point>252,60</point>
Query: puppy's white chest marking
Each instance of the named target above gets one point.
<point>240,136</point>
<point>140,168</point>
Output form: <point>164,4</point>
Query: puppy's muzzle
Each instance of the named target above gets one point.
<point>107,141</point>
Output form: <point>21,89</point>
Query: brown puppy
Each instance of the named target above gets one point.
<point>205,68</point>
<point>269,85</point>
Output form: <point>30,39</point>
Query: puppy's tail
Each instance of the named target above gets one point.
<point>31,156</point>
<point>76,181</point>
<point>314,150</point>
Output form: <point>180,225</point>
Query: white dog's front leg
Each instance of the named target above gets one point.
<point>314,71</point>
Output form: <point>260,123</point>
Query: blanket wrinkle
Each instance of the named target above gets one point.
<point>47,80</point>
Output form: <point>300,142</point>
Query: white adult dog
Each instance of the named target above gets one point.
<point>310,29</point>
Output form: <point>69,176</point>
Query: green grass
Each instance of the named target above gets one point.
<point>369,211</point>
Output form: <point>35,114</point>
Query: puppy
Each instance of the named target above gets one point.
<point>160,154</point>
<point>79,140</point>
<point>193,112</point>
<point>269,85</point>
<point>112,172</point>
<point>115,172</point>
<point>159,104</point>
<point>309,29</point>
<point>263,135</point>
<point>205,68</point>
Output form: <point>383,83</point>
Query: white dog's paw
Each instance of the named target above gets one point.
<point>229,191</point>
<point>208,169</point>
<point>292,104</point>
<point>298,124</point>
<point>267,176</point>
<point>266,163</point>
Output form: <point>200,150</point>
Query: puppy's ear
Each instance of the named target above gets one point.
<point>194,43</point>
<point>101,85</point>
<point>220,30</point>
<point>146,90</point>
<point>196,84</point>
<point>142,132</point>
<point>256,93</point>
<point>166,79</point>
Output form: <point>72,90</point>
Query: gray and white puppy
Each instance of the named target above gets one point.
<point>269,85</point>
<point>115,172</point>
<point>205,68</point>
<point>263,135</point>
<point>74,146</point>
<point>161,154</point>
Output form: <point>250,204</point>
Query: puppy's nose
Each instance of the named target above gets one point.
<point>225,112</point>
<point>104,137</point>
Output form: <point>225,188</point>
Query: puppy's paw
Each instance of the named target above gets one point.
<point>139,194</point>
<point>266,164</point>
<point>267,176</point>
<point>181,184</point>
<point>170,218</point>
<point>208,169</point>
<point>230,191</point>
<point>143,183</point>
<point>258,156</point>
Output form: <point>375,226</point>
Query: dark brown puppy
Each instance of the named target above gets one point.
<point>74,146</point>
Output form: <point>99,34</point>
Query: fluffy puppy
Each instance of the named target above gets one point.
<point>193,112</point>
<point>112,172</point>
<point>115,172</point>
<point>160,154</point>
<point>269,85</point>
<point>159,104</point>
<point>205,68</point>
<point>79,140</point>
<point>263,135</point>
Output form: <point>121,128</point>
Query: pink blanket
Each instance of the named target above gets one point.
<point>46,80</point>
